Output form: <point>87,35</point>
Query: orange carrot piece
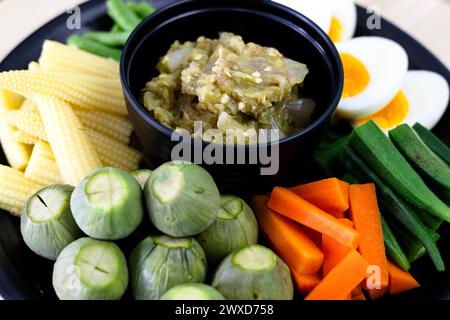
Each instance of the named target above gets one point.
<point>287,203</point>
<point>330,195</point>
<point>340,215</point>
<point>365,215</point>
<point>342,279</point>
<point>306,282</point>
<point>333,251</point>
<point>399,280</point>
<point>315,236</point>
<point>357,294</point>
<point>288,240</point>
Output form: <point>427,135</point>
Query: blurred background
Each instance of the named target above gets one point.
<point>428,21</point>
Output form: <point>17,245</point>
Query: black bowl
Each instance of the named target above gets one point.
<point>263,22</point>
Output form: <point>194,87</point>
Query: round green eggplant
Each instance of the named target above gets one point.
<point>182,199</point>
<point>107,205</point>
<point>235,227</point>
<point>142,176</point>
<point>192,291</point>
<point>254,273</point>
<point>89,269</point>
<point>160,263</point>
<point>47,224</point>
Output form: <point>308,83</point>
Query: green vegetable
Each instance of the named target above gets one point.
<point>47,224</point>
<point>254,273</point>
<point>235,227</point>
<point>108,204</point>
<point>421,157</point>
<point>142,9</point>
<point>327,157</point>
<point>182,199</point>
<point>387,162</point>
<point>89,269</point>
<point>94,47</point>
<point>393,249</point>
<point>413,248</point>
<point>431,222</point>
<point>142,176</point>
<point>393,204</point>
<point>111,39</point>
<point>160,263</point>
<point>116,28</point>
<point>433,142</point>
<point>349,178</point>
<point>192,291</point>
<point>126,18</point>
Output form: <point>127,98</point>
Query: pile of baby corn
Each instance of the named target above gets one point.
<point>59,120</point>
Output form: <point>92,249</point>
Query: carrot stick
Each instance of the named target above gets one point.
<point>399,280</point>
<point>330,195</point>
<point>287,239</point>
<point>315,236</point>
<point>306,282</point>
<point>357,294</point>
<point>287,203</point>
<point>340,215</point>
<point>365,214</point>
<point>333,251</point>
<point>342,279</point>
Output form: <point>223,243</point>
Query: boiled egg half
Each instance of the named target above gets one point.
<point>423,98</point>
<point>337,18</point>
<point>318,11</point>
<point>374,71</point>
<point>343,20</point>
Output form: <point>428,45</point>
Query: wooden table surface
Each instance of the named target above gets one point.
<point>428,21</point>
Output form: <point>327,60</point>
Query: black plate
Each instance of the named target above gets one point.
<point>23,275</point>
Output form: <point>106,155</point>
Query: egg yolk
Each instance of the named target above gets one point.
<point>391,115</point>
<point>356,76</point>
<point>336,32</point>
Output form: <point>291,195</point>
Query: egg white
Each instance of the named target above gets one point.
<point>386,62</point>
<point>316,10</point>
<point>428,96</point>
<point>345,12</point>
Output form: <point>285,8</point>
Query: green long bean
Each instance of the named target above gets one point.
<point>394,204</point>
<point>393,248</point>
<point>142,9</point>
<point>94,47</point>
<point>126,18</point>
<point>111,39</point>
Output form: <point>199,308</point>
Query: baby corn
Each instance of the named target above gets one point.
<point>82,91</point>
<point>30,122</point>
<point>23,137</point>
<point>74,153</point>
<point>26,121</point>
<point>28,105</point>
<point>17,154</point>
<point>15,189</point>
<point>34,66</point>
<point>116,127</point>
<point>10,100</point>
<point>113,153</point>
<point>60,57</point>
<point>42,166</point>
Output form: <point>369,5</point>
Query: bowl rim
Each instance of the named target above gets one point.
<point>144,114</point>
